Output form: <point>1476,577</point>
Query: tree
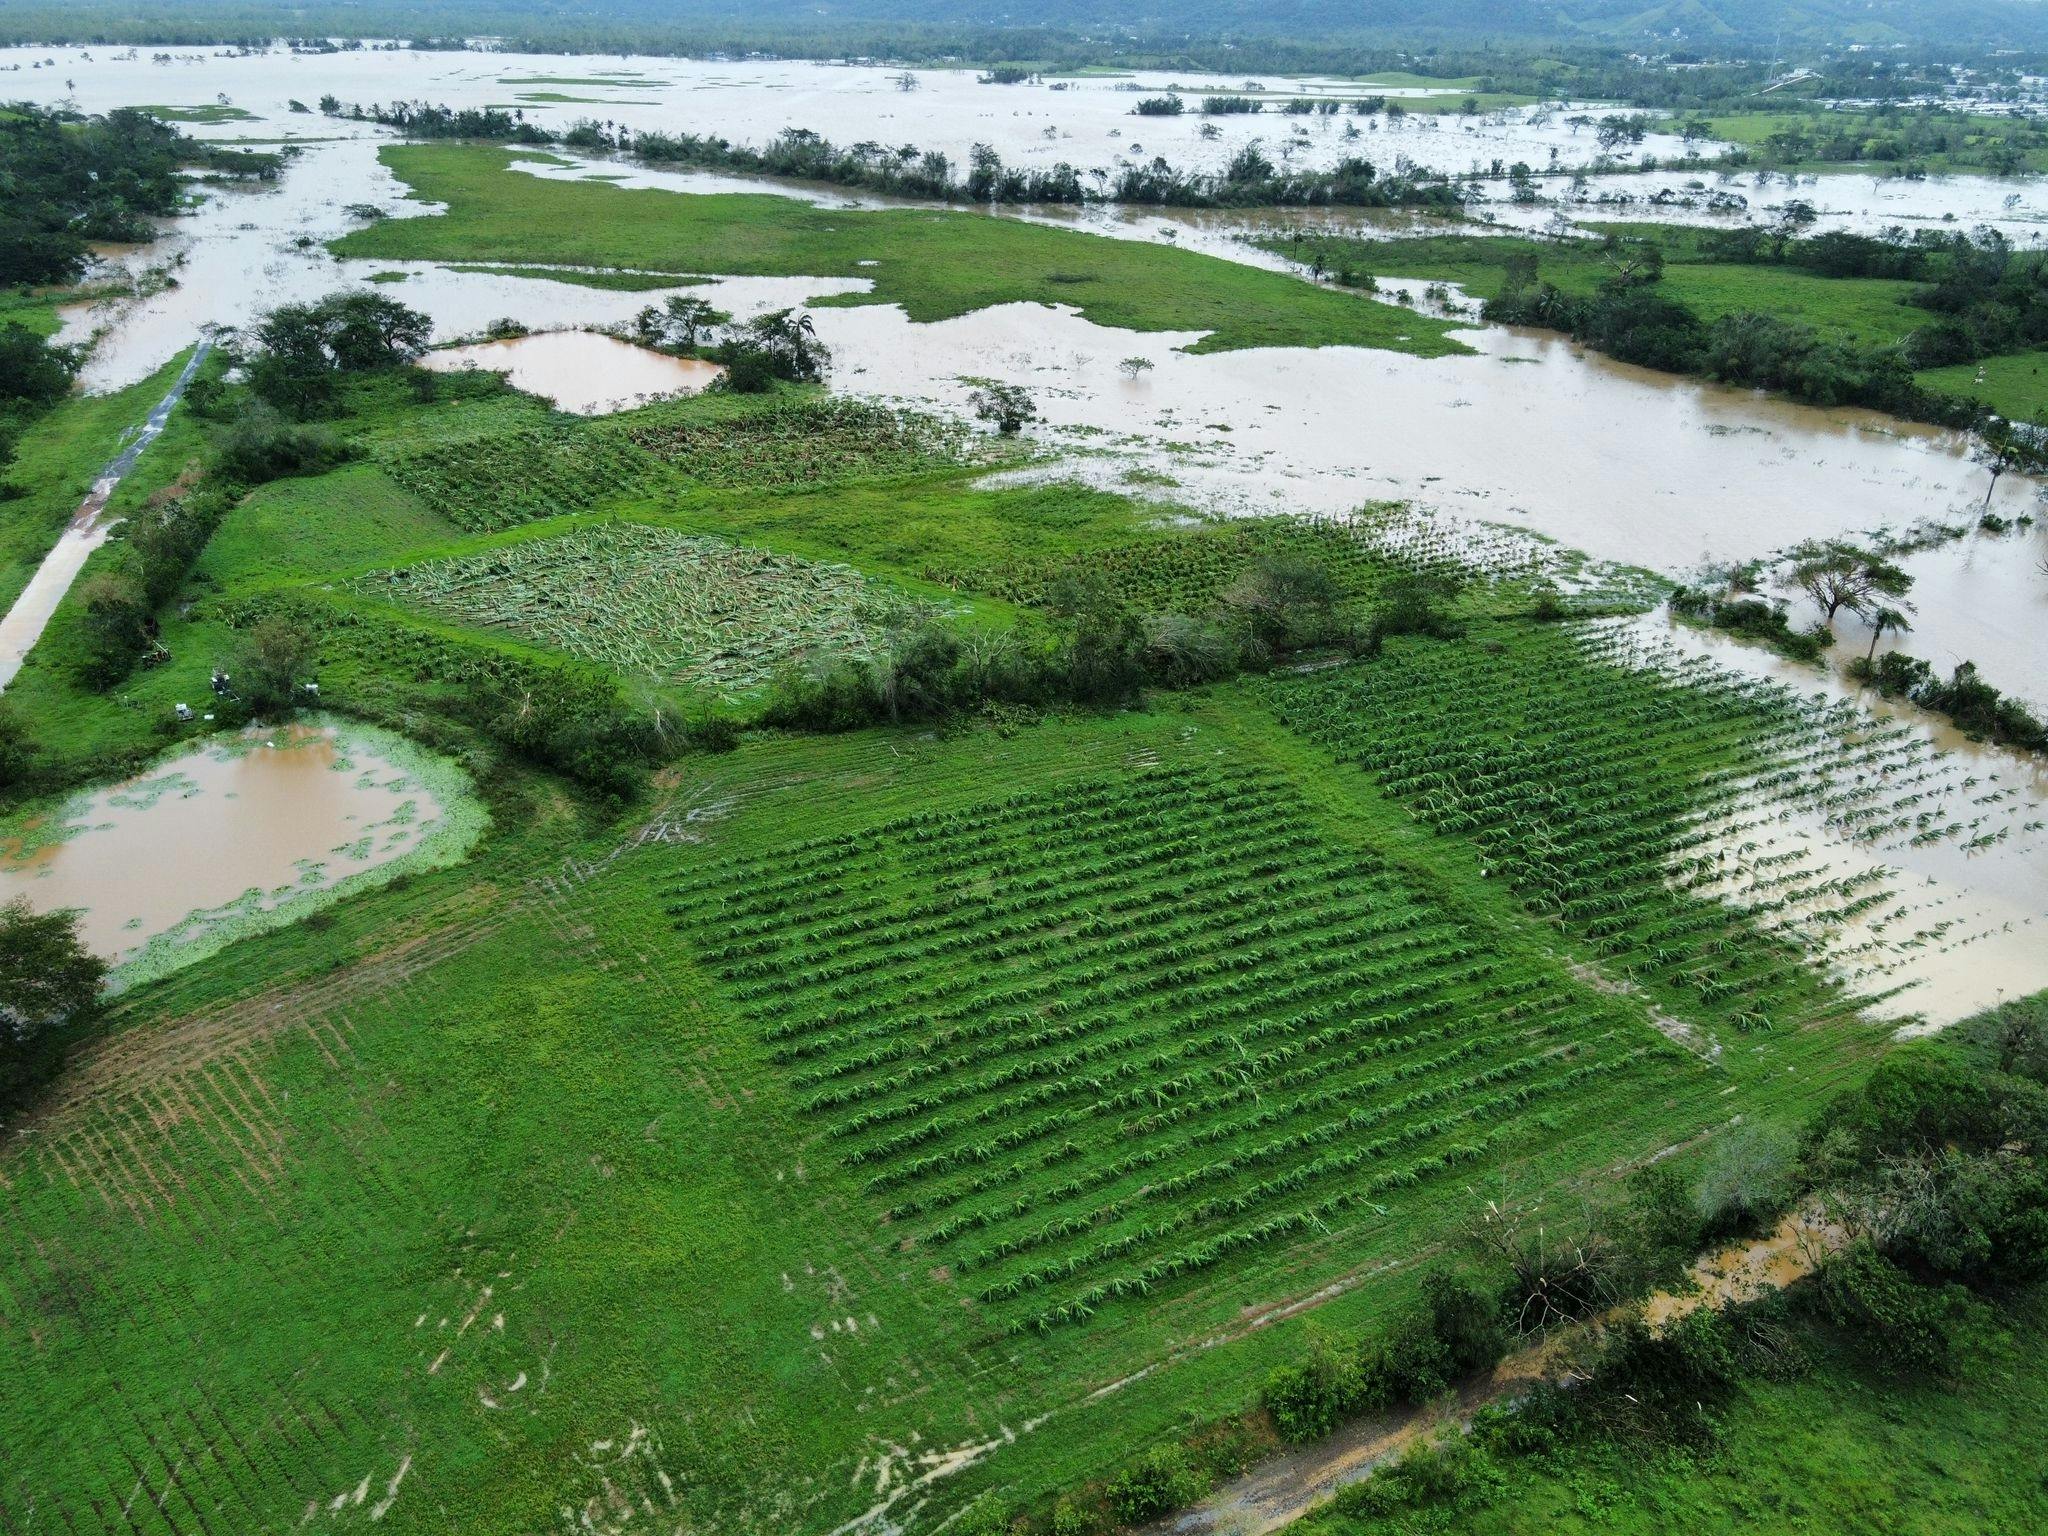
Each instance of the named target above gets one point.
<point>31,370</point>
<point>116,623</point>
<point>1006,407</point>
<point>49,984</point>
<point>689,318</point>
<point>2003,445</point>
<point>1882,620</point>
<point>270,664</point>
<point>300,347</point>
<point>1836,574</point>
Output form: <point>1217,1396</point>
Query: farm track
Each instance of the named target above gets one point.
<point>1284,1488</point>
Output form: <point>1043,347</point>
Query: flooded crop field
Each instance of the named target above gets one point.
<point>693,850</point>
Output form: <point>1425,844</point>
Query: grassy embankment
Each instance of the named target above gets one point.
<point>936,264</point>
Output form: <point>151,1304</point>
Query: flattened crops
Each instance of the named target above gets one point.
<point>1083,1043</point>
<point>502,478</point>
<point>651,600</point>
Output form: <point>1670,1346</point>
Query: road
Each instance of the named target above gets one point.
<point>88,530</point>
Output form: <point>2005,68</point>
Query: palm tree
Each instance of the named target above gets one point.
<point>1882,620</point>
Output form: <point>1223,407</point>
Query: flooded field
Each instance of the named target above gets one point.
<point>234,836</point>
<point>582,371</point>
<point>1086,121</point>
<point>1953,830</point>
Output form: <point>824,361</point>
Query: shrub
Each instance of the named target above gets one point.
<point>262,446</point>
<point>1163,1482</point>
<point>1908,1327</point>
<point>1309,1400</point>
<point>1746,1180</point>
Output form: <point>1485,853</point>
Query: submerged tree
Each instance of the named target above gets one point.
<point>1836,574</point>
<point>2004,445</point>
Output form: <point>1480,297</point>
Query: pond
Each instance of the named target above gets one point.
<point>235,835</point>
<point>586,372</point>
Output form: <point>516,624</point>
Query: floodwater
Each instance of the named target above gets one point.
<point>216,840</point>
<point>582,371</point>
<point>1843,200</point>
<point>1966,855</point>
<point>1085,121</point>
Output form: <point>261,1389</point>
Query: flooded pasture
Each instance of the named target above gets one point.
<point>236,835</point>
<point>586,372</point>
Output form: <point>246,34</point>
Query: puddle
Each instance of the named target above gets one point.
<point>582,371</point>
<point>235,836</point>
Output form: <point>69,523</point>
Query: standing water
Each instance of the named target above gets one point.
<point>236,835</point>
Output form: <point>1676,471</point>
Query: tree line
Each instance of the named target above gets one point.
<point>1250,179</point>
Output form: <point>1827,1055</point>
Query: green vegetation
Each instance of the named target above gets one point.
<point>936,265</point>
<point>1895,1388</point>
<point>208,114</point>
<point>1915,141</point>
<point>622,282</point>
<point>649,600</point>
<point>1833,319</point>
<point>60,454</point>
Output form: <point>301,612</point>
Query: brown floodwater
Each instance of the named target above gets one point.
<point>1966,857</point>
<point>587,372</point>
<point>218,836</point>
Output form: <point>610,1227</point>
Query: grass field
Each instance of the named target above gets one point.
<point>1863,312</point>
<point>569,1172</point>
<point>1866,311</point>
<point>936,264</point>
<point>1885,135</point>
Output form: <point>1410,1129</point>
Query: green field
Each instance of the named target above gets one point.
<point>888,1119</point>
<point>935,264</point>
<point>1866,311</point>
<point>781,1136</point>
<point>1878,144</point>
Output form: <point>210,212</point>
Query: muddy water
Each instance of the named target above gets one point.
<point>581,371</point>
<point>1969,923</point>
<point>1087,122</point>
<point>1983,598</point>
<point>231,836</point>
<point>1530,431</point>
